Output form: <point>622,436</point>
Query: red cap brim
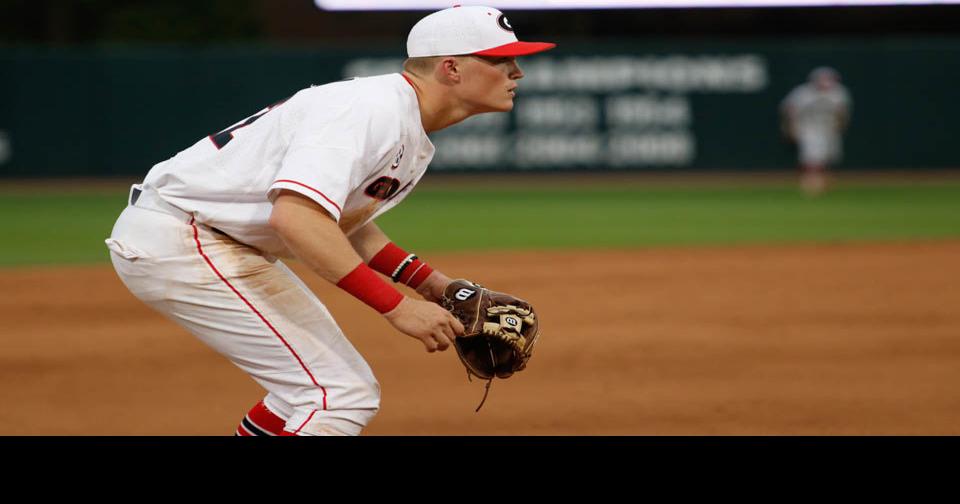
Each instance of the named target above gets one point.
<point>517,49</point>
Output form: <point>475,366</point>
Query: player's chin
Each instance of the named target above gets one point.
<point>506,105</point>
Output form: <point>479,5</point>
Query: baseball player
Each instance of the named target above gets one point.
<point>814,116</point>
<point>305,178</point>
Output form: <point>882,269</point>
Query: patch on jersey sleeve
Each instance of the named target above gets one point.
<point>383,188</point>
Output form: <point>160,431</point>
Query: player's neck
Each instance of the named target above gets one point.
<point>438,108</point>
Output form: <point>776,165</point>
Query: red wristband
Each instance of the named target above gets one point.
<point>400,265</point>
<point>366,286</point>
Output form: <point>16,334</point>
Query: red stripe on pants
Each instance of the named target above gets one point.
<point>196,238</point>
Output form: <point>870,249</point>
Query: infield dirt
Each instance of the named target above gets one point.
<point>817,339</point>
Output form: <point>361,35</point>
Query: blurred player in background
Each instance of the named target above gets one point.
<point>814,116</point>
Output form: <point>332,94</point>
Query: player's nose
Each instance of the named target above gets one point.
<point>515,72</point>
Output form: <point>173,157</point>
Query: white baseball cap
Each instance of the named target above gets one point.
<point>479,30</point>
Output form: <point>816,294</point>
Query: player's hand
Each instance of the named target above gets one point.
<point>428,322</point>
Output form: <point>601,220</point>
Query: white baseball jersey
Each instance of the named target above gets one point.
<point>356,147</point>
<point>817,109</point>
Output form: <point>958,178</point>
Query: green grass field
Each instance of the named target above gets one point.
<point>69,227</point>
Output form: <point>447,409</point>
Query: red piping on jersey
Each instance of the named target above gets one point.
<point>241,431</point>
<point>312,189</point>
<point>196,238</point>
<point>408,81</point>
<point>305,422</point>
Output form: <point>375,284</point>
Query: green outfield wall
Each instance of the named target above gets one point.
<point>680,105</point>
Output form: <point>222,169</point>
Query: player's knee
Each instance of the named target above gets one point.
<point>367,403</point>
<point>341,422</point>
<point>346,413</point>
<point>370,391</point>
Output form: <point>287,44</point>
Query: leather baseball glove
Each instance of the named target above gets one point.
<point>500,330</point>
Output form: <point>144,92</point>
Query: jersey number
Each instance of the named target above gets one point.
<point>224,137</point>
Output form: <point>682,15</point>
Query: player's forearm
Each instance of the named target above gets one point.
<point>313,237</point>
<point>432,288</point>
<point>368,241</point>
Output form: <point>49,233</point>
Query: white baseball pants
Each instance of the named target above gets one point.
<point>819,146</point>
<point>251,309</point>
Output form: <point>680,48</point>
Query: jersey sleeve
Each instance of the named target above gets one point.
<point>332,150</point>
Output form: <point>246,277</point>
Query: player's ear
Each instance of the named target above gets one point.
<point>450,69</point>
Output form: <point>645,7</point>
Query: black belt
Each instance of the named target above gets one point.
<point>135,193</point>
<point>154,202</point>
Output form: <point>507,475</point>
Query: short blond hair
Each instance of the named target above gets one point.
<point>421,66</point>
